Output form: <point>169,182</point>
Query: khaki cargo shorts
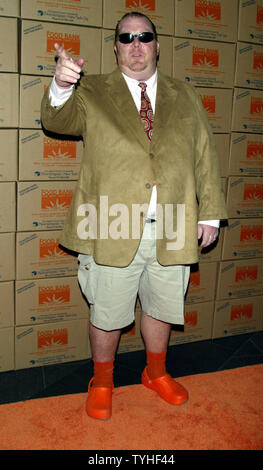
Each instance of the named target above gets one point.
<point>112,292</point>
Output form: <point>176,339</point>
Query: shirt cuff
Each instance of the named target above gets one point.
<point>213,223</point>
<point>58,95</point>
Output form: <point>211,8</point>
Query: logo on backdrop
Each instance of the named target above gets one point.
<point>251,233</point>
<point>253,192</point>
<point>241,312</point>
<point>59,149</point>
<point>209,103</point>
<point>54,295</point>
<point>56,199</point>
<point>49,338</point>
<point>246,273</point>
<point>208,10</point>
<point>259,14</point>
<point>254,150</point>
<point>256,105</point>
<point>49,248</point>
<point>70,42</point>
<point>147,5</point>
<point>191,318</point>
<point>205,57</point>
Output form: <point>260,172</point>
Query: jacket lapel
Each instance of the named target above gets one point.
<point>126,110</point>
<point>165,107</point>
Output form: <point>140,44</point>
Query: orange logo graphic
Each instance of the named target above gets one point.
<point>53,295</point>
<point>254,150</point>
<point>253,192</point>
<point>259,14</point>
<point>256,105</point>
<point>132,331</point>
<point>191,318</point>
<point>148,5</point>
<point>209,103</point>
<point>258,61</point>
<point>56,199</point>
<point>205,57</point>
<point>195,279</point>
<point>241,311</point>
<point>70,42</point>
<point>48,248</point>
<point>251,232</point>
<point>208,10</point>
<point>59,149</point>
<point>244,273</point>
<point>47,338</point>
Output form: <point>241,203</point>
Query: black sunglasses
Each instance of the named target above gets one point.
<point>127,38</point>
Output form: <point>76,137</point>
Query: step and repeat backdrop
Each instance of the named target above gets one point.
<point>214,45</point>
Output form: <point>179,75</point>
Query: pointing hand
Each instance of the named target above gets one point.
<point>67,69</point>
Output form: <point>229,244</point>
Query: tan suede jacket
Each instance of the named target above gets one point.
<point>120,166</point>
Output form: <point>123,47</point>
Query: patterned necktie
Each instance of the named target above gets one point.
<point>146,112</point>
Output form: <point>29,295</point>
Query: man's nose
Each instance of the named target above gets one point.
<point>136,42</point>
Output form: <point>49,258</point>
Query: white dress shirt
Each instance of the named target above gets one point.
<point>58,96</point>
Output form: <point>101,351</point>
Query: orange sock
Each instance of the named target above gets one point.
<point>103,373</point>
<point>156,364</point>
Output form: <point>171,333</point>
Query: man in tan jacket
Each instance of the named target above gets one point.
<point>134,219</point>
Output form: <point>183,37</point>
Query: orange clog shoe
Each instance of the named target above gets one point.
<point>99,400</point>
<point>166,387</point>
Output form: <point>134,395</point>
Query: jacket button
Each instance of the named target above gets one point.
<point>147,185</point>
<point>151,155</point>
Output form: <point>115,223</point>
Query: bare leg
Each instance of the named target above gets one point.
<point>103,346</point>
<point>103,343</point>
<point>156,336</point>
<point>155,333</point>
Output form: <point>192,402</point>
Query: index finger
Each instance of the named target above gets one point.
<point>61,51</point>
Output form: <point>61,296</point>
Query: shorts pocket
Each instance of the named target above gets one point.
<point>186,277</point>
<point>86,277</point>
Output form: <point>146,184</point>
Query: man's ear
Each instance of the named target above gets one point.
<point>115,52</point>
<point>157,51</point>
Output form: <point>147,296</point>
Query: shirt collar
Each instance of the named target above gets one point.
<point>150,82</point>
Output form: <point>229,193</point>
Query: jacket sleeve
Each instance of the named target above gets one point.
<point>68,118</point>
<point>211,198</point>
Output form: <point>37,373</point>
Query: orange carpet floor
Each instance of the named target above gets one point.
<point>224,412</point>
